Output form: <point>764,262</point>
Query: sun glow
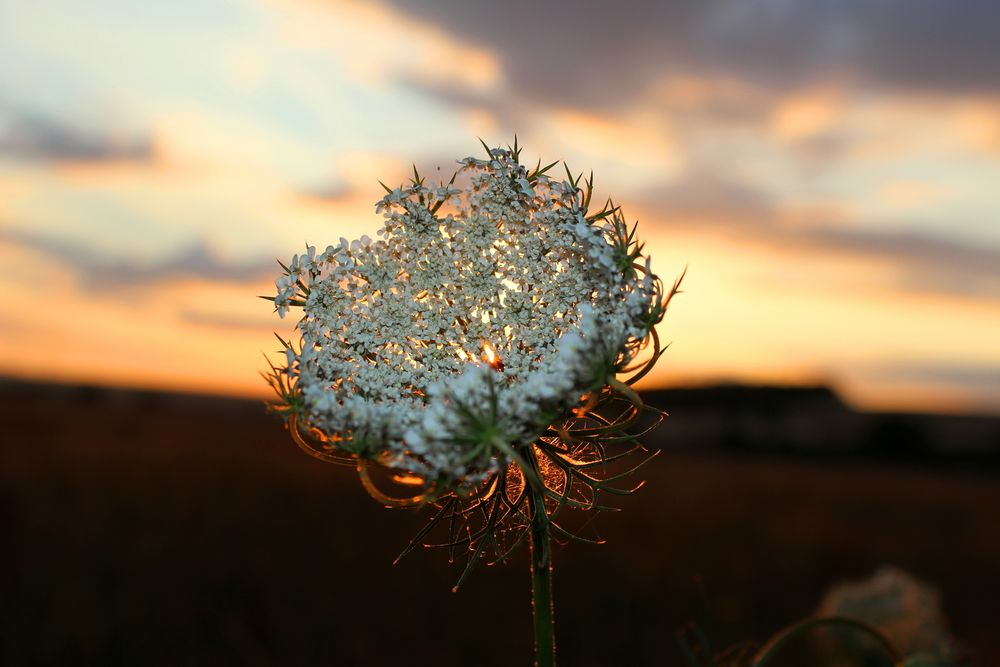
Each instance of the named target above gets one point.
<point>491,357</point>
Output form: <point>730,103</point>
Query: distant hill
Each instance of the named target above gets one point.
<point>810,421</point>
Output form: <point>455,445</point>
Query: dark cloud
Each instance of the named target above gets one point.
<point>709,200</point>
<point>824,148</point>
<point>924,264</point>
<point>928,264</point>
<point>265,322</point>
<point>102,274</point>
<point>566,54</point>
<point>331,193</point>
<point>37,138</point>
<point>980,259</point>
<point>601,54</point>
<point>706,194</point>
<point>934,43</point>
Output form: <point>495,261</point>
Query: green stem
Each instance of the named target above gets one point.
<point>541,579</point>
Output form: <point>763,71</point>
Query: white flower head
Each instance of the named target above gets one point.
<point>486,309</point>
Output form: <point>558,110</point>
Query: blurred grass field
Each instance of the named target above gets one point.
<point>156,529</point>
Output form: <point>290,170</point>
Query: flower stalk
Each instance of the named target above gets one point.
<point>541,578</point>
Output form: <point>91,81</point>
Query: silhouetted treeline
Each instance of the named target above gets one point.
<point>814,422</point>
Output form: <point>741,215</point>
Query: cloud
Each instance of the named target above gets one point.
<point>704,194</point>
<point>923,263</point>
<point>604,54</point>
<point>198,261</point>
<point>926,263</point>
<point>971,387</point>
<point>32,137</point>
<point>330,193</point>
<point>264,322</point>
<point>978,376</point>
<point>706,199</point>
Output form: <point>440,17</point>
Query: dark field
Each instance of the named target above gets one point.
<point>162,530</point>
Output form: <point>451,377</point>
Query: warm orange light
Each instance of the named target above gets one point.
<point>491,356</point>
<point>408,480</point>
<point>553,477</point>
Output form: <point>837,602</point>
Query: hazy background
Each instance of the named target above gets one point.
<point>828,170</point>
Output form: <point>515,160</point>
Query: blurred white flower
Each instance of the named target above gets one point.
<point>904,609</point>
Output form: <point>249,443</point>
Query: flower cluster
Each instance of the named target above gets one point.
<point>486,308</point>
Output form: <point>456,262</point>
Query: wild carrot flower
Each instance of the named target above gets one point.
<point>468,347</point>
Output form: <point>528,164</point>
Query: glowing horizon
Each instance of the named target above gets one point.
<point>836,213</point>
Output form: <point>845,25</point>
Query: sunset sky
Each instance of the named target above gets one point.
<point>828,171</point>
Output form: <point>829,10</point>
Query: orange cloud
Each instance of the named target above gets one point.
<point>808,113</point>
<point>393,45</point>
